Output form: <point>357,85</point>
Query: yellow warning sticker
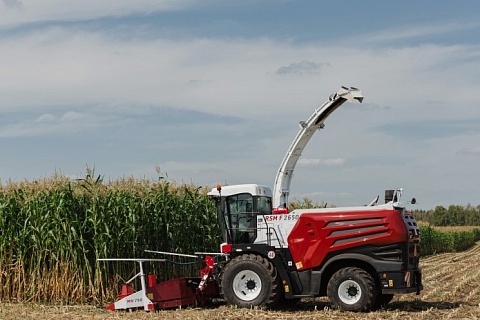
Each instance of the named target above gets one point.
<point>390,283</point>
<point>299,265</point>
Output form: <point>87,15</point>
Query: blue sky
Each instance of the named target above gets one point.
<point>212,92</point>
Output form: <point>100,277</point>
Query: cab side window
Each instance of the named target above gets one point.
<point>264,205</point>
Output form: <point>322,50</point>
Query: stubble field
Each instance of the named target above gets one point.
<point>451,291</point>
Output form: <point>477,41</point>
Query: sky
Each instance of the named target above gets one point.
<point>212,91</point>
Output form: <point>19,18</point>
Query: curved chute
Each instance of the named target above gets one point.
<point>281,188</point>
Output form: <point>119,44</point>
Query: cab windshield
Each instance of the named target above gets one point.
<point>239,214</point>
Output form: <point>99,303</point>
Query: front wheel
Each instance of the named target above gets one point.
<point>250,280</point>
<point>351,289</point>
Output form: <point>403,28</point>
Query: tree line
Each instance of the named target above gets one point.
<point>454,215</point>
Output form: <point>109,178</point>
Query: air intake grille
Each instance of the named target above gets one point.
<point>411,224</point>
<point>391,253</point>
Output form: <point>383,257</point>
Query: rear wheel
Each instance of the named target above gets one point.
<point>351,289</point>
<point>250,280</point>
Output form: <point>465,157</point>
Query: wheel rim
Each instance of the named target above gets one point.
<point>247,285</point>
<point>349,292</point>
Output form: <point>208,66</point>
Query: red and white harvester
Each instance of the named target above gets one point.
<point>358,257</point>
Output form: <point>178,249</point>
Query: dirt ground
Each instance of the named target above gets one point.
<point>451,291</point>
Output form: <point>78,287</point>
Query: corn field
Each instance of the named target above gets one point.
<point>447,239</point>
<point>52,231</point>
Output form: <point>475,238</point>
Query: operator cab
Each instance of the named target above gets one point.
<point>237,210</point>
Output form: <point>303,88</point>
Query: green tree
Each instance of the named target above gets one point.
<point>470,212</point>
<point>439,217</point>
<point>456,215</point>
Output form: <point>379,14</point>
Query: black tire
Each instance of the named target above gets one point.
<point>382,301</point>
<point>351,289</point>
<point>250,280</point>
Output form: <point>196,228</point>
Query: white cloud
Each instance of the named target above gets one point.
<point>417,31</point>
<point>469,151</point>
<point>301,68</point>
<point>61,66</point>
<point>13,5</point>
<point>17,12</point>
<point>48,124</point>
<point>47,117</point>
<point>73,116</point>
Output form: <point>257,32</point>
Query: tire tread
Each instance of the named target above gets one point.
<point>274,297</point>
<point>352,272</point>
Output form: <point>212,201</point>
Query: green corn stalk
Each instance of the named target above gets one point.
<point>52,231</point>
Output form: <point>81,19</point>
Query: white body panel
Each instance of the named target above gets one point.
<point>135,300</point>
<point>273,229</point>
<point>253,189</point>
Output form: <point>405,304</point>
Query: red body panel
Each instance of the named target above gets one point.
<point>317,234</point>
<point>172,293</point>
<point>179,292</point>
